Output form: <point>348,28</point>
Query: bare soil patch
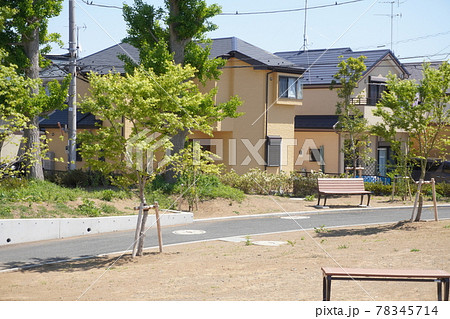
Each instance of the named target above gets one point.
<point>220,270</point>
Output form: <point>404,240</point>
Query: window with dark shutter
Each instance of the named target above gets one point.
<point>78,157</point>
<point>273,151</point>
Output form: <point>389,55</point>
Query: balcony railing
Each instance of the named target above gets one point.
<point>364,101</point>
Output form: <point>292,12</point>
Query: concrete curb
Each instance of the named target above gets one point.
<point>14,231</point>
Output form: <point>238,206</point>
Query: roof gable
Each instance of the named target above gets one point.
<point>321,65</point>
<point>60,118</point>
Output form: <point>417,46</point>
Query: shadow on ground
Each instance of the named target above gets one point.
<point>372,230</point>
<point>86,263</point>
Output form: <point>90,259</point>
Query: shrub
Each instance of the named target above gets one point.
<point>304,186</point>
<point>88,208</point>
<point>164,201</point>
<point>256,181</point>
<point>78,178</point>
<point>379,189</point>
<point>109,209</point>
<point>107,195</point>
<point>443,189</point>
<point>159,183</point>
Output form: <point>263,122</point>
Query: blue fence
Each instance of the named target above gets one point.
<point>376,179</point>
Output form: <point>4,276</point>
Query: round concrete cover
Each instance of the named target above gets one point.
<point>189,232</point>
<point>269,243</point>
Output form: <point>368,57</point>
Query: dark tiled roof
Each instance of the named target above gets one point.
<point>83,120</point>
<point>315,121</point>
<point>415,69</point>
<point>255,56</point>
<point>106,60</point>
<point>321,65</point>
<point>57,69</point>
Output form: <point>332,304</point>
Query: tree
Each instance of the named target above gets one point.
<point>17,105</point>
<point>150,108</point>
<point>420,109</point>
<point>173,32</point>
<point>23,33</point>
<point>191,165</point>
<point>351,120</point>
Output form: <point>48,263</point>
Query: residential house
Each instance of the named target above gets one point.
<point>268,85</point>
<point>319,145</point>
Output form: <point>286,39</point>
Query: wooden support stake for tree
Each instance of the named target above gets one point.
<point>138,230</point>
<point>433,187</point>
<point>158,226</point>
<point>417,198</point>
<point>393,189</point>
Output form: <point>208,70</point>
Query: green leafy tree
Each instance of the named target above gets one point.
<point>191,164</point>
<point>155,107</point>
<point>173,32</point>
<point>17,105</point>
<point>351,121</point>
<point>420,109</point>
<point>23,34</point>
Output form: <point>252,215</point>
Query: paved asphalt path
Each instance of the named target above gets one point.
<point>29,254</point>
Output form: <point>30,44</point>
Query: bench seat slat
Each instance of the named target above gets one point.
<point>392,273</point>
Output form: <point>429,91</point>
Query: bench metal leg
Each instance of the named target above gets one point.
<point>326,288</point>
<point>318,202</point>
<point>446,288</point>
<point>368,200</point>
<point>439,289</point>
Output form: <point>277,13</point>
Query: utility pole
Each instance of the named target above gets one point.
<point>72,120</point>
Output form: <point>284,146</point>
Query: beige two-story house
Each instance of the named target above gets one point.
<point>319,144</point>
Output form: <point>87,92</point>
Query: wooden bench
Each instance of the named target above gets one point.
<point>439,276</point>
<point>341,186</point>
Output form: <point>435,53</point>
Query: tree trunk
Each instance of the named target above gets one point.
<point>422,177</point>
<point>144,213</point>
<point>33,146</point>
<point>178,144</point>
<point>177,44</point>
<point>177,47</point>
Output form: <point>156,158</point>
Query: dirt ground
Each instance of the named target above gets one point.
<point>220,270</point>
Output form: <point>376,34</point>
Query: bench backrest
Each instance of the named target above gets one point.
<point>339,184</point>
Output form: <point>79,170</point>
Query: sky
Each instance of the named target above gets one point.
<point>420,28</point>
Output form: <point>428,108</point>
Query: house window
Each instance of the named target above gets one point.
<point>290,87</point>
<point>205,144</point>
<point>317,155</point>
<point>273,151</point>
<point>376,87</point>
<point>78,157</point>
<point>314,155</point>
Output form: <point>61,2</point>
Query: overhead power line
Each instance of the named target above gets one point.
<point>289,10</point>
<point>336,3</point>
<point>424,37</point>
<point>91,3</point>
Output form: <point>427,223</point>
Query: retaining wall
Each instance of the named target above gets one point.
<point>14,231</point>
